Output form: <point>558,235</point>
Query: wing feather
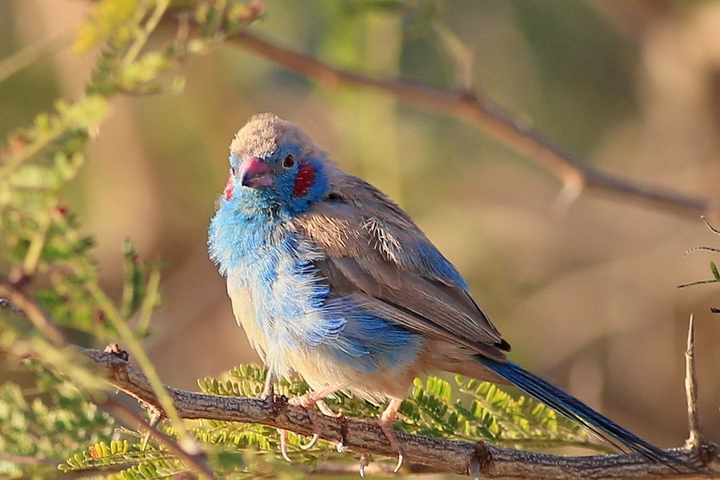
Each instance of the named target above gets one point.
<point>375,253</point>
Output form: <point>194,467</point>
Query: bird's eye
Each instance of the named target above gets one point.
<point>233,172</point>
<point>289,161</point>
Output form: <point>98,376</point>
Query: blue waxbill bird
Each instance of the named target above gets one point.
<point>333,281</point>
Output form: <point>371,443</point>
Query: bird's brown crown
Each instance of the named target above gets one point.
<point>263,133</point>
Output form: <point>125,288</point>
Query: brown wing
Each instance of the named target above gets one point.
<point>376,254</point>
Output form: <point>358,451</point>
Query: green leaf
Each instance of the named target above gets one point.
<point>714,270</point>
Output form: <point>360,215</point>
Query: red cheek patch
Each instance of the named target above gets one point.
<point>227,193</point>
<point>304,179</point>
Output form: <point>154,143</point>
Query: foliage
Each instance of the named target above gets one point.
<point>432,409</point>
<point>49,418</point>
<point>47,422</point>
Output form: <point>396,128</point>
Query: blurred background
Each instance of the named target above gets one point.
<point>587,296</point>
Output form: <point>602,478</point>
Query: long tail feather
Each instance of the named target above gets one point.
<point>574,409</point>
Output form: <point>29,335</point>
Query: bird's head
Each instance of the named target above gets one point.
<point>274,163</point>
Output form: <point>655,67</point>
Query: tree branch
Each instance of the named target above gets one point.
<point>366,437</point>
<point>477,108</point>
<point>695,438</point>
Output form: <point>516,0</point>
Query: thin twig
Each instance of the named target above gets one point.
<point>712,229</point>
<point>695,438</point>
<point>22,303</point>
<point>21,59</point>
<point>141,357</point>
<point>366,437</point>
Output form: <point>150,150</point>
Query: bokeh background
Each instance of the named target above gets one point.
<point>587,295</point>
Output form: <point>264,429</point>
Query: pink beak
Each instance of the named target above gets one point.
<point>255,173</point>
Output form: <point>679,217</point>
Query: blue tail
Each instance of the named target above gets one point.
<point>574,409</point>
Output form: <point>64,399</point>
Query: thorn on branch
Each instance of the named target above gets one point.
<point>154,413</point>
<point>115,351</point>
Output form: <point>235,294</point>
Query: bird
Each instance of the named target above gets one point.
<point>333,282</point>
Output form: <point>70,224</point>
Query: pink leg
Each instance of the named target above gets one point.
<point>311,398</point>
<point>385,423</point>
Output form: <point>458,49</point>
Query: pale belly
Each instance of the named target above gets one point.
<point>383,371</point>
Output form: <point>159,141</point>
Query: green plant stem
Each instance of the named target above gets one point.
<point>148,304</point>
<point>21,59</point>
<point>142,38</point>
<point>33,312</point>
<point>12,161</point>
<point>34,253</point>
<point>133,345</point>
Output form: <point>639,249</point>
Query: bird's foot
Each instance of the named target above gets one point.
<point>385,423</point>
<point>308,404</point>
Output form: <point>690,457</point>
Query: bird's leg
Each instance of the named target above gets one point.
<point>268,396</point>
<point>385,423</point>
<point>269,387</point>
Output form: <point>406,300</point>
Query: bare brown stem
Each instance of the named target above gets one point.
<point>478,109</point>
<point>695,438</point>
<point>22,303</point>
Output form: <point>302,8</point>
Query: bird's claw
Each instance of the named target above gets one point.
<point>308,403</point>
<point>399,465</point>
<point>313,441</point>
<point>365,460</point>
<point>283,444</point>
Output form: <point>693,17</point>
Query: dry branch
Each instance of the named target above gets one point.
<point>478,109</point>
<point>366,437</point>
